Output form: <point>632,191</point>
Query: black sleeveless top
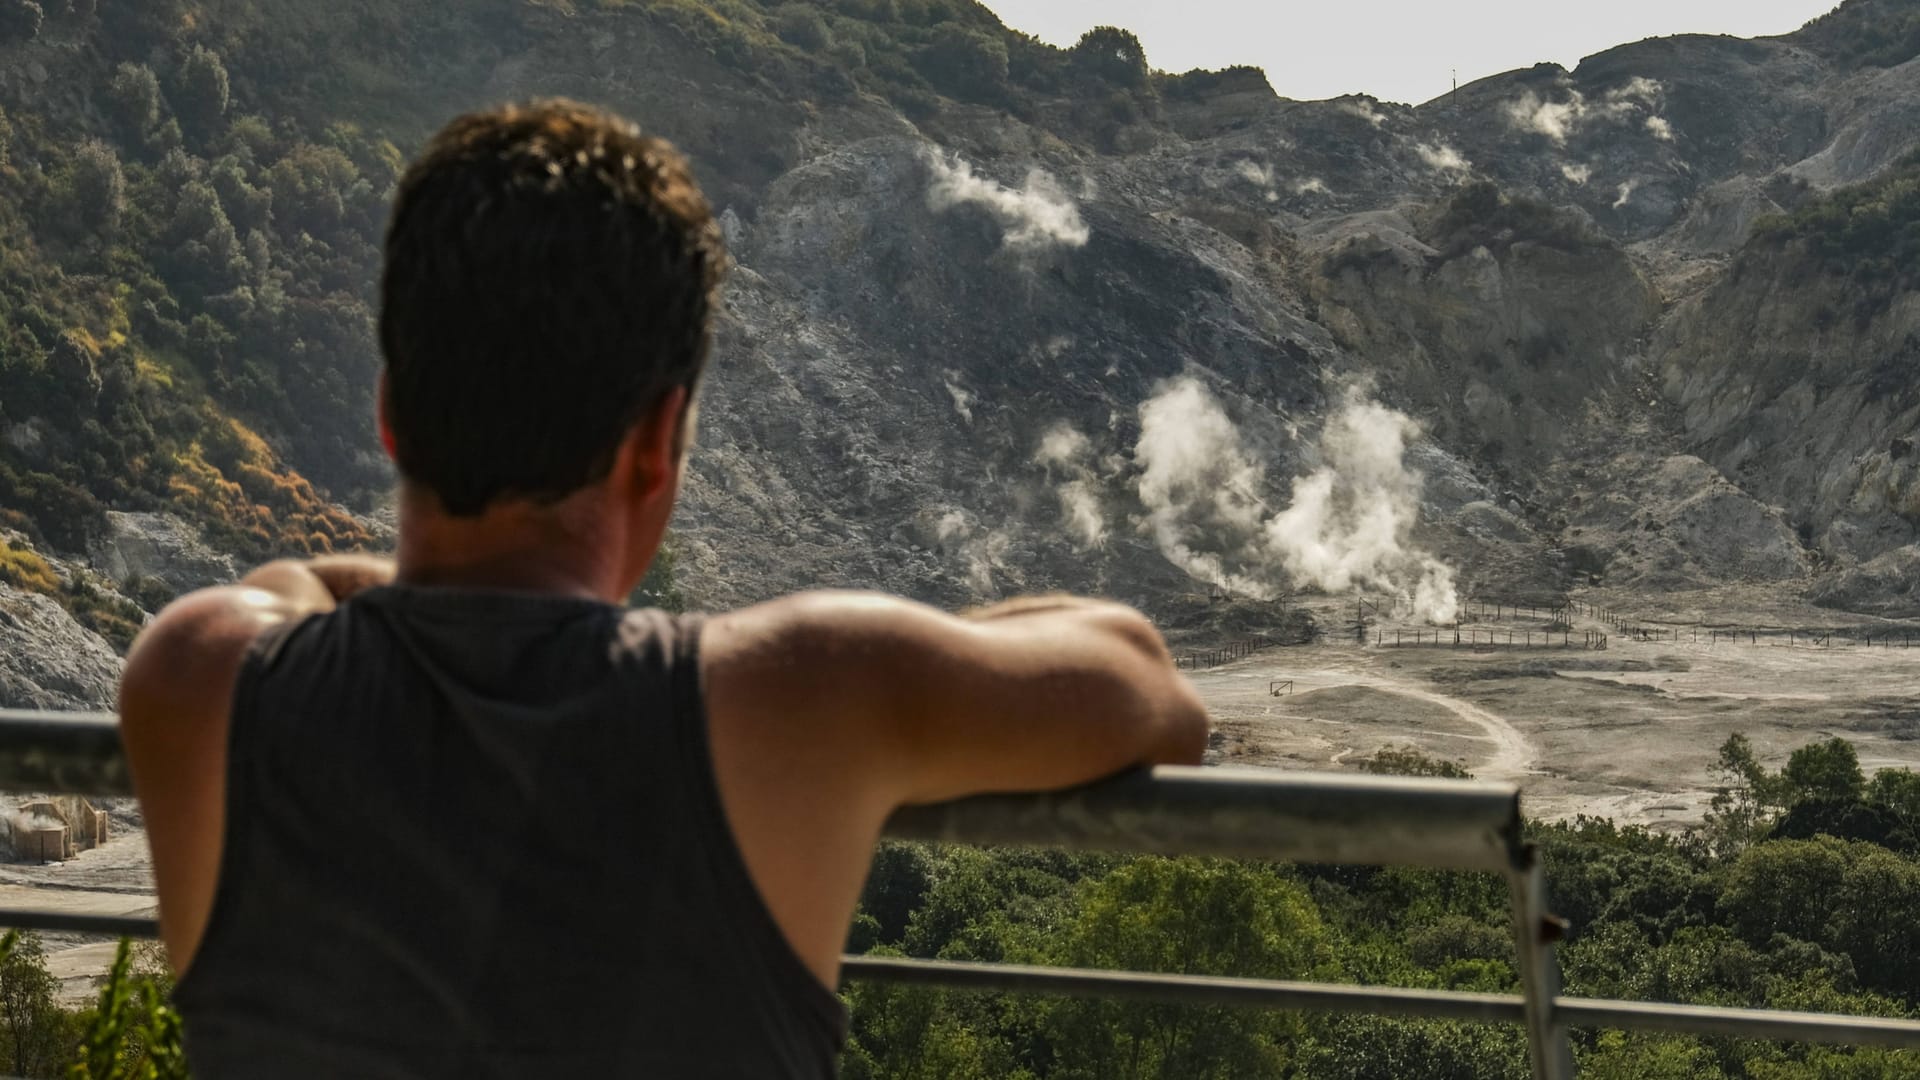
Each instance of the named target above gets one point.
<point>477,834</point>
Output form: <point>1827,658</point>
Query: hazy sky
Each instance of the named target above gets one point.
<point>1396,50</point>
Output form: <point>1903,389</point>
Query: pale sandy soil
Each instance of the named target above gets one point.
<point>116,879</point>
<point>1628,732</point>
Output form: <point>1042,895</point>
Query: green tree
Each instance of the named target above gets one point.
<point>207,257</point>
<point>1828,770</point>
<point>1186,916</point>
<point>896,887</point>
<point>1618,1055</point>
<point>1112,55</point>
<point>1377,1048</point>
<point>916,1033</point>
<point>201,92</point>
<point>1897,793</point>
<point>32,1027</point>
<point>801,25</point>
<point>1745,800</point>
<point>133,100</point>
<point>20,20</point>
<point>965,63</point>
<point>98,188</point>
<point>1846,896</point>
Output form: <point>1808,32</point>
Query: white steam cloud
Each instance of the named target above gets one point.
<point>962,397</point>
<point>1626,193</point>
<point>1661,129</point>
<point>1259,174</point>
<point>982,552</point>
<point>1559,120</point>
<point>1037,215</point>
<point>1578,174</point>
<point>1351,521</point>
<point>1349,525</point>
<point>1441,157</point>
<point>1197,483</point>
<point>1066,453</point>
<point>1312,185</point>
<point>1364,109</point>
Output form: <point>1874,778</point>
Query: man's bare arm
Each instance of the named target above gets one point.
<point>1037,694</point>
<point>828,711</point>
<point>321,583</point>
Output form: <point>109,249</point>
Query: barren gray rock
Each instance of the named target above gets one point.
<point>49,661</point>
<point>159,546</point>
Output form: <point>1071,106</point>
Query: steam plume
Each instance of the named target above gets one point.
<point>1441,158</point>
<point>1349,525</point>
<point>982,552</point>
<point>1196,482</point>
<point>1037,215</point>
<point>1065,451</point>
<point>1558,120</point>
<point>1351,522</point>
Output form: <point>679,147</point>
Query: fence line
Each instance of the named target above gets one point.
<point>1225,654</point>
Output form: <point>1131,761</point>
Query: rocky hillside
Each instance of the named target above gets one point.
<point>1654,315</point>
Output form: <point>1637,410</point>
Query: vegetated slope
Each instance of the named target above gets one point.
<point>951,239</point>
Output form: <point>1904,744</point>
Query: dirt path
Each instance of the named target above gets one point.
<point>1513,756</point>
<point>1235,692</point>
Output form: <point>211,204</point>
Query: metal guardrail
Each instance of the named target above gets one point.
<point>1235,813</point>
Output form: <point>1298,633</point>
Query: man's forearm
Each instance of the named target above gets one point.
<point>321,583</point>
<point>345,575</point>
<point>1031,605</point>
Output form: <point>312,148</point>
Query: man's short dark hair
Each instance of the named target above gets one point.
<point>551,273</point>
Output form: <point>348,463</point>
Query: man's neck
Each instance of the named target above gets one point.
<point>558,549</point>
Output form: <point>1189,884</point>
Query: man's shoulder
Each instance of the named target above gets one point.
<point>184,663</point>
<point>805,636</point>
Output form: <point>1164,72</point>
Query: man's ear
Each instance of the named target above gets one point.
<point>654,446</point>
<point>382,421</point>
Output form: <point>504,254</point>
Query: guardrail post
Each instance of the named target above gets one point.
<point>1534,931</point>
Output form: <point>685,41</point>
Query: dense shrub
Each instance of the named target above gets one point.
<point>201,92</point>
<point>20,20</point>
<point>966,64</point>
<point>1867,33</point>
<point>1480,215</point>
<point>1112,55</point>
<point>98,188</point>
<point>802,26</point>
<point>133,99</point>
<point>1869,233</point>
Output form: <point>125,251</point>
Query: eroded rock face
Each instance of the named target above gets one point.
<point>49,661</point>
<point>1602,397</point>
<point>1803,393</point>
<point>160,547</point>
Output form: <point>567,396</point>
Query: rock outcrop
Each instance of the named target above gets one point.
<point>49,661</point>
<point>159,547</point>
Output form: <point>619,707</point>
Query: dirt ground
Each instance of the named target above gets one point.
<point>114,879</point>
<point>1627,732</point>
